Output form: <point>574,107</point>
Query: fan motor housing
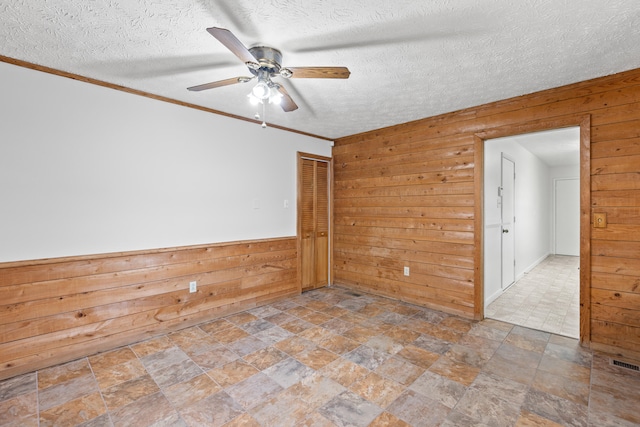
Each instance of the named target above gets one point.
<point>268,58</point>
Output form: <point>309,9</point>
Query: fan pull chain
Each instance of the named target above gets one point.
<point>264,123</point>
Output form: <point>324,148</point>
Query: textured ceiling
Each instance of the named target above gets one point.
<point>409,59</point>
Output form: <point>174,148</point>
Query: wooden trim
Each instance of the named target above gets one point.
<point>585,230</point>
<point>107,255</point>
<point>302,155</point>
<point>478,224</point>
<point>298,216</point>
<point>329,160</point>
<point>48,70</point>
<point>331,221</point>
<point>584,122</point>
<point>616,351</point>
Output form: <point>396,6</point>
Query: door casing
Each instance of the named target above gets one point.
<point>584,122</point>
<point>306,156</point>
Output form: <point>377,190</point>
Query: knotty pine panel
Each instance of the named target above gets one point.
<point>393,185</point>
<point>58,310</point>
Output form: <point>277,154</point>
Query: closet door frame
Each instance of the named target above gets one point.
<point>314,157</point>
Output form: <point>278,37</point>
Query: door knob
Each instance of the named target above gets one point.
<point>505,230</point>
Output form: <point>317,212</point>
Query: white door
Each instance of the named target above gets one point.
<point>567,217</point>
<point>508,221</point>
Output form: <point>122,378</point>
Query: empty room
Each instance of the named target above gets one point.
<point>287,213</point>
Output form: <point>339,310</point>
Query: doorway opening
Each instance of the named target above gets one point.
<point>531,230</point>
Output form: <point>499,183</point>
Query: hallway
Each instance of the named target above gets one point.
<point>547,298</point>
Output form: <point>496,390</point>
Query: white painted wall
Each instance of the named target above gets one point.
<point>86,169</point>
<point>533,206</point>
<point>565,215</point>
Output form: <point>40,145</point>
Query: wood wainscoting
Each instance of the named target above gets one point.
<point>57,310</point>
<point>407,195</point>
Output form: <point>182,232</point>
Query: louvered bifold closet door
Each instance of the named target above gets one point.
<point>314,227</point>
<point>322,224</point>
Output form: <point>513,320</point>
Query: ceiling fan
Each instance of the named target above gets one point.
<point>265,63</point>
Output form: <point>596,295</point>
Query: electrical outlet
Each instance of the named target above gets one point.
<point>406,271</point>
<point>193,286</point>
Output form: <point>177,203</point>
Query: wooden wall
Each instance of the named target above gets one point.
<point>57,310</point>
<point>410,195</point>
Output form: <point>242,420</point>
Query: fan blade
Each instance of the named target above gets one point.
<point>287,103</point>
<point>232,43</point>
<point>219,83</point>
<point>319,72</point>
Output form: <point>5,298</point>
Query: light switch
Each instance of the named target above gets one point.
<point>599,220</point>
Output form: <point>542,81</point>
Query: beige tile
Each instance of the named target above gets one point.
<point>155,345</point>
<point>418,356</point>
<point>561,386</point>
<point>125,393</point>
<point>360,334</point>
<point>191,391</point>
<point>387,420</point>
<point>18,409</point>
<point>232,373</point>
<point>112,375</point>
<point>377,389</point>
<point>112,358</point>
<point>301,312</point>
<point>296,326</point>
<point>344,371</point>
<point>265,358</point>
<point>316,334</point>
<point>456,371</point>
<point>74,412</point>
<point>565,369</point>
<point>402,335</point>
<point>218,325</point>
<point>229,335</point>
<point>241,318</point>
<point>528,419</point>
<point>282,410</point>
<point>399,370</point>
<point>72,389</point>
<point>294,345</point>
<point>338,344</point>
<point>244,420</point>
<point>63,373</point>
<point>148,410</point>
<point>316,358</point>
<point>457,324</point>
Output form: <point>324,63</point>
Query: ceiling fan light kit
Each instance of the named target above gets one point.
<point>265,63</point>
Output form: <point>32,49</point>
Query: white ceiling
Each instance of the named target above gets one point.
<point>409,59</point>
<point>558,147</point>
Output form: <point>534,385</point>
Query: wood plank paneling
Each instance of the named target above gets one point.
<point>57,310</point>
<point>407,195</point>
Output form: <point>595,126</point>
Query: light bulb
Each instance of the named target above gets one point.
<point>276,99</point>
<point>261,90</point>
<point>253,99</point>
<point>276,96</point>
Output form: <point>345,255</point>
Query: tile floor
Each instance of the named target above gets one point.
<point>332,357</point>
<point>546,299</point>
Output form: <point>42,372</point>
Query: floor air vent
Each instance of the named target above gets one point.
<point>625,365</point>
